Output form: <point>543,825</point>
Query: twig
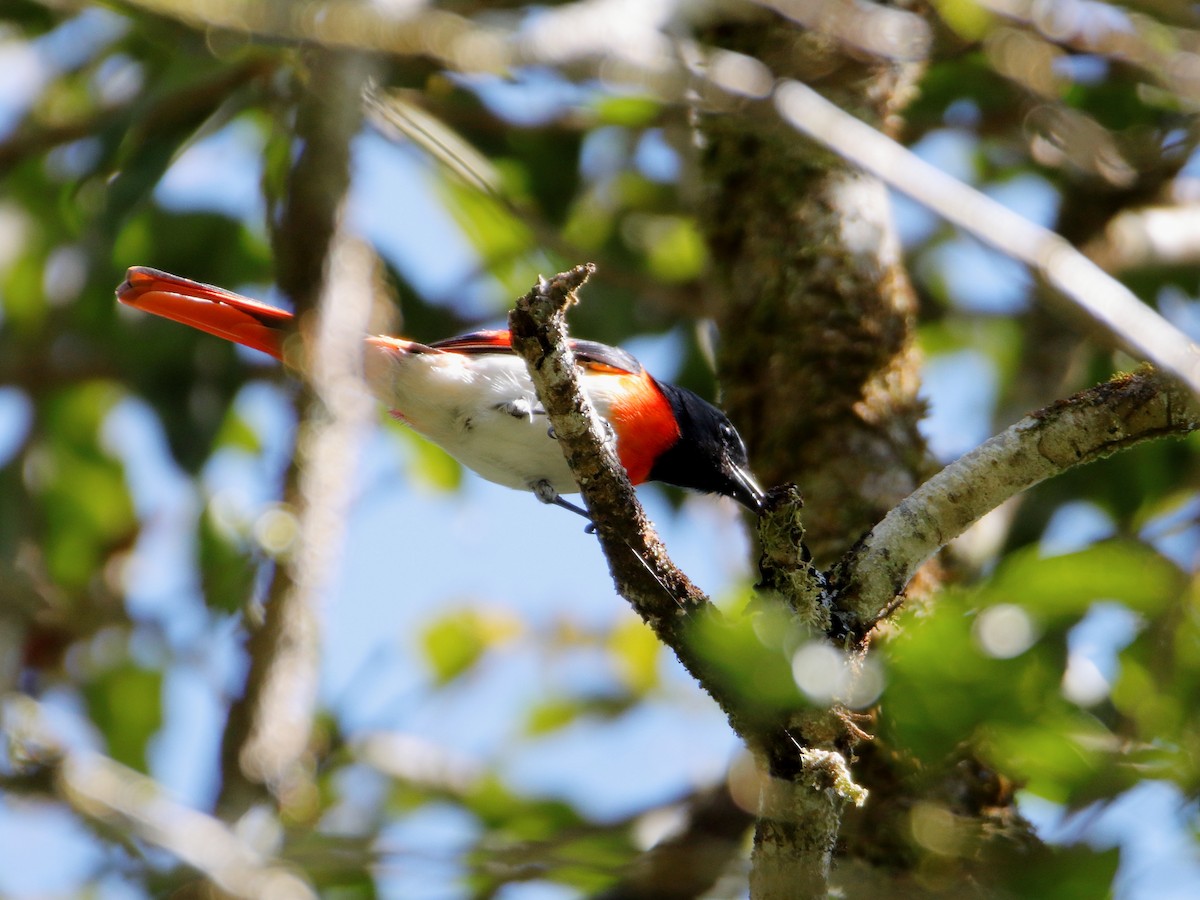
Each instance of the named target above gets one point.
<point>268,729</point>
<point>104,790</point>
<point>195,101</point>
<point>1150,236</point>
<point>1127,321</point>
<point>1089,426</point>
<point>437,770</point>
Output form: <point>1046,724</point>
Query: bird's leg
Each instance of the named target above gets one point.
<point>545,492</point>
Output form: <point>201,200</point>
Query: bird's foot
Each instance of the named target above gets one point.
<point>545,492</point>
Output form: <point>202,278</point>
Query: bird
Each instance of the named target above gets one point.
<point>472,396</point>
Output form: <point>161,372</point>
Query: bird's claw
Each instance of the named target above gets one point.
<point>546,493</point>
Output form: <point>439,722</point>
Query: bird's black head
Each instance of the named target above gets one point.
<point>709,455</point>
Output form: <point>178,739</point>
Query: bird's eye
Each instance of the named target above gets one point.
<point>727,431</point>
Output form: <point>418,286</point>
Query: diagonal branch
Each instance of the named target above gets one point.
<point>643,573</point>
<point>100,788</point>
<point>1089,426</point>
<point>1080,283</point>
<point>637,559</point>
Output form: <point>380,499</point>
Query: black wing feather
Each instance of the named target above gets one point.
<point>586,352</point>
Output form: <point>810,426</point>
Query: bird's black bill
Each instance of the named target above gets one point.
<point>746,490</point>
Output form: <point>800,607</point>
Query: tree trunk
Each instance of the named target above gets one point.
<point>820,369</point>
<point>817,313</point>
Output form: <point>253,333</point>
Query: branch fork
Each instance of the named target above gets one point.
<point>807,780</point>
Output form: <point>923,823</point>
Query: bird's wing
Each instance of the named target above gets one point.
<point>591,355</point>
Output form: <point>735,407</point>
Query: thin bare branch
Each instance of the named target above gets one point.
<point>1153,43</point>
<point>1089,426</point>
<point>102,789</point>
<point>34,137</point>
<point>1085,287</point>
<point>412,759</point>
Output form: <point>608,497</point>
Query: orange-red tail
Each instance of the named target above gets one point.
<point>212,309</point>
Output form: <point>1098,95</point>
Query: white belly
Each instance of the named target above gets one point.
<point>481,409</point>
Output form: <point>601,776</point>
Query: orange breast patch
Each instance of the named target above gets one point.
<point>644,423</point>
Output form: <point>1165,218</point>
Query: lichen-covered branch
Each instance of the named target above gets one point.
<point>798,823</point>
<point>643,573</point>
<point>1081,429</point>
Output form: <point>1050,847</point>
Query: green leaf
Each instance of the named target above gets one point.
<point>559,712</point>
<point>495,232</point>
<point>1056,757</point>
<point>432,465</point>
<point>227,566</point>
<point>237,433</point>
<point>1062,588</point>
<point>34,18</point>
<point>636,652</point>
<point>969,19</point>
<point>751,656</point>
<point>942,687</point>
<point>552,715</point>
<point>513,818</point>
<point>125,704</point>
<point>675,250</point>
<point>455,642</point>
<point>631,112</point>
<point>590,222</point>
<point>1064,873</point>
<point>85,503</point>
